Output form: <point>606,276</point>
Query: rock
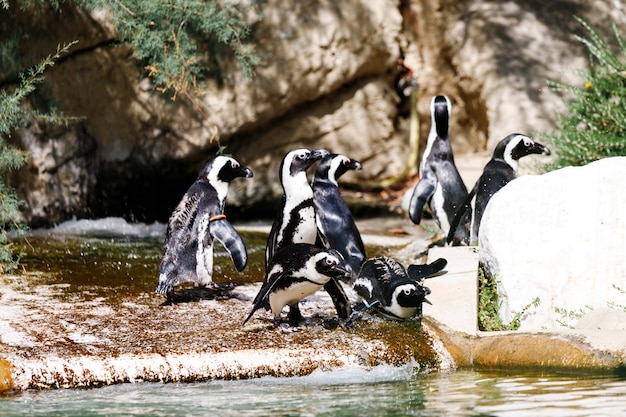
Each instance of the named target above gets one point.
<point>559,237</point>
<point>326,79</point>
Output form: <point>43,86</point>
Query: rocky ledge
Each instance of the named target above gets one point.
<point>60,335</point>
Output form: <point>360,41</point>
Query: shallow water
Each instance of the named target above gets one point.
<point>118,258</point>
<point>382,391</point>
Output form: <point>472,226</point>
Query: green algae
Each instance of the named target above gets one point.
<point>101,265</point>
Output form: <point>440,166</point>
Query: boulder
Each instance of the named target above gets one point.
<point>559,237</point>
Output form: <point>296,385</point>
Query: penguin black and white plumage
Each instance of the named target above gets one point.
<point>335,223</point>
<point>440,183</point>
<point>499,171</point>
<point>195,223</point>
<point>295,272</point>
<point>295,221</point>
<point>385,286</point>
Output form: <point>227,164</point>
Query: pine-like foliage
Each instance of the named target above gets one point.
<point>595,125</point>
<point>12,116</point>
<point>180,41</point>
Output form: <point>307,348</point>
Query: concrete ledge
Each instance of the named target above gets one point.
<point>454,295</point>
<point>453,318</point>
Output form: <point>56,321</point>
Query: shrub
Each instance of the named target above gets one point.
<point>12,116</point>
<point>595,124</point>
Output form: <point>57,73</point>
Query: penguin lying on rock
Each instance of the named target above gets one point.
<point>295,272</point>
<point>499,171</point>
<point>197,220</point>
<point>394,292</point>
<point>440,183</point>
<point>335,224</point>
<point>296,223</point>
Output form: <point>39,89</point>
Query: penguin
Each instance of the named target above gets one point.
<point>394,292</point>
<point>499,171</point>
<point>295,272</point>
<point>295,222</point>
<point>197,220</point>
<point>440,183</point>
<point>335,224</point>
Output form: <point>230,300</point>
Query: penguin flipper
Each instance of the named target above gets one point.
<point>433,269</point>
<point>421,194</point>
<point>261,297</point>
<point>339,297</point>
<point>223,231</point>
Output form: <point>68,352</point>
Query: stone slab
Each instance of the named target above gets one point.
<point>454,296</point>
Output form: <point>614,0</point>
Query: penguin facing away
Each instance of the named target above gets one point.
<point>440,184</point>
<point>295,272</point>
<point>196,222</point>
<point>335,223</point>
<point>392,291</point>
<point>499,171</point>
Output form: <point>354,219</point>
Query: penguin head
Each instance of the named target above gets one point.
<point>334,166</point>
<point>440,109</point>
<point>331,263</point>
<point>410,295</point>
<point>298,161</point>
<point>515,146</point>
<point>223,169</point>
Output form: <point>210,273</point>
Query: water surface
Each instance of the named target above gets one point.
<point>384,390</point>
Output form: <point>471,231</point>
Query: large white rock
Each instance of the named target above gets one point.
<point>561,237</point>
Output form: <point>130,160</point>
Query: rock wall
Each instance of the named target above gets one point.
<point>326,80</point>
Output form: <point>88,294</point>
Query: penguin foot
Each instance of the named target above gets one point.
<point>331,323</point>
<point>295,316</point>
<point>287,328</point>
<point>218,287</point>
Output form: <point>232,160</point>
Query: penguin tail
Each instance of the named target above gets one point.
<point>460,213</point>
<point>249,316</point>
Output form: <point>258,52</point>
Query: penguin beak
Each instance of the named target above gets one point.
<point>540,149</point>
<point>355,165</point>
<point>344,272</point>
<point>246,172</point>
<point>318,154</point>
<point>426,292</point>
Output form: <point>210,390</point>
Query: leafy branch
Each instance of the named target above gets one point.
<point>13,115</point>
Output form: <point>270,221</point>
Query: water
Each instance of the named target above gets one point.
<point>382,391</point>
<point>119,252</point>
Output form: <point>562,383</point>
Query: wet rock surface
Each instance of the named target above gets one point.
<point>83,312</point>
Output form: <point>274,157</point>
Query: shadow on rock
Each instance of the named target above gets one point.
<point>195,294</point>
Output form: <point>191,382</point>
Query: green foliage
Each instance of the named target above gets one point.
<point>14,115</point>
<point>595,124</point>
<point>489,306</point>
<point>181,41</point>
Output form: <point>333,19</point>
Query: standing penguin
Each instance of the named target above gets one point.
<point>295,272</point>
<point>197,220</point>
<point>335,224</point>
<point>440,184</point>
<point>295,222</point>
<point>385,286</point>
<point>500,169</point>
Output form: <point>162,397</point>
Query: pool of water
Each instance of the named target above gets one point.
<point>384,390</point>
